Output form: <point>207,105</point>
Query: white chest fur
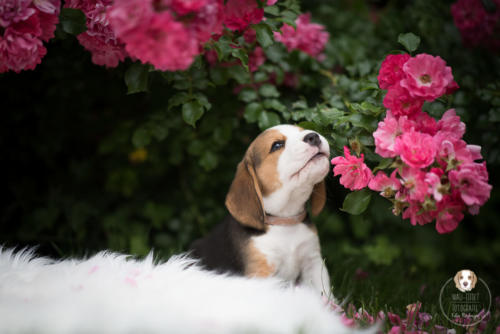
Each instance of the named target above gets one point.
<point>290,250</point>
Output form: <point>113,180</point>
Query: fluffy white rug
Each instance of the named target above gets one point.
<point>112,293</point>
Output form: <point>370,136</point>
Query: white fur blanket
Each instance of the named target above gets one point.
<point>111,293</point>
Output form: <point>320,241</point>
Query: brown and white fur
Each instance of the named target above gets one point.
<point>465,280</point>
<point>266,233</point>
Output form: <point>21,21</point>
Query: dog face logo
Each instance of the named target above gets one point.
<point>465,280</point>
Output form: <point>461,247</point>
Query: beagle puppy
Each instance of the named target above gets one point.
<point>465,280</point>
<point>267,232</point>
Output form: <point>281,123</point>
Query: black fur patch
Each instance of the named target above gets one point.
<point>222,249</point>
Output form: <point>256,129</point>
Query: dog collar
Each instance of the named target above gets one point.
<point>286,221</point>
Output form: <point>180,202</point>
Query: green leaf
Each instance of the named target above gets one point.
<point>268,119</point>
<point>273,10</point>
<point>208,160</point>
<point>242,56</point>
<point>136,78</point>
<point>248,95</point>
<point>191,112</point>
<point>264,34</point>
<point>73,21</point>
<point>384,163</point>
<point>203,100</point>
<point>268,90</point>
<point>141,138</point>
<point>274,104</point>
<point>178,99</point>
<point>223,47</point>
<point>356,202</point>
<point>252,112</point>
<point>409,40</point>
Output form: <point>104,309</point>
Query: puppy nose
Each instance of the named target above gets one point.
<point>312,139</point>
<point>466,283</point>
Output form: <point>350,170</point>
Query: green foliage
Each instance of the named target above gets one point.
<point>72,21</point>
<point>356,202</point>
<point>410,41</point>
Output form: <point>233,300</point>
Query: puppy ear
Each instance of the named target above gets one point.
<point>474,279</point>
<point>456,279</point>
<point>318,198</point>
<point>244,199</point>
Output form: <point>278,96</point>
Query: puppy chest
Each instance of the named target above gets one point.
<point>287,248</point>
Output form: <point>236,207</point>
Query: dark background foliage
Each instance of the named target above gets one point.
<point>88,167</point>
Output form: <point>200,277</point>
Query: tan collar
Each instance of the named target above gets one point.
<point>286,221</point>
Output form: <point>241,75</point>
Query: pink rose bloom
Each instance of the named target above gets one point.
<point>387,186</point>
<point>453,152</point>
<point>309,37</point>
<point>48,14</point>
<point>416,149</point>
<point>162,33</point>
<point>424,123</point>
<point>471,180</point>
<point>426,77</point>
<point>417,214</point>
<point>387,132</point>
<point>154,33</point>
<point>184,7</point>
<point>256,58</point>
<point>21,47</point>
<point>414,185</point>
<point>450,213</point>
<point>48,24</point>
<point>476,25</point>
<point>239,14</point>
<point>206,22</point>
<point>13,11</point>
<point>433,179</point>
<point>355,173</point>
<point>451,125</point>
<point>99,38</point>
<point>400,102</point>
<point>391,70</point>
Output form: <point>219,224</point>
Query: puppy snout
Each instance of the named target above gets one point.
<point>312,139</point>
<point>466,283</point>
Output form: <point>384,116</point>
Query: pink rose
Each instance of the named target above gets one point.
<point>414,187</point>
<point>426,77</point>
<point>417,214</point>
<point>449,214</point>
<point>451,125</point>
<point>433,179</point>
<point>21,47</point>
<point>239,14</point>
<point>400,102</point>
<point>13,11</point>
<point>424,123</point>
<point>471,180</point>
<point>391,70</point>
<point>355,173</point>
<point>387,186</point>
<point>309,37</point>
<point>476,25</point>
<point>99,38</point>
<point>387,132</point>
<point>416,149</point>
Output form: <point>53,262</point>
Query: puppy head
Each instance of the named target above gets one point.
<point>465,280</point>
<point>282,168</point>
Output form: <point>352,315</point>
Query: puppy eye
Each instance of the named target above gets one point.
<point>277,145</point>
<point>461,277</point>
